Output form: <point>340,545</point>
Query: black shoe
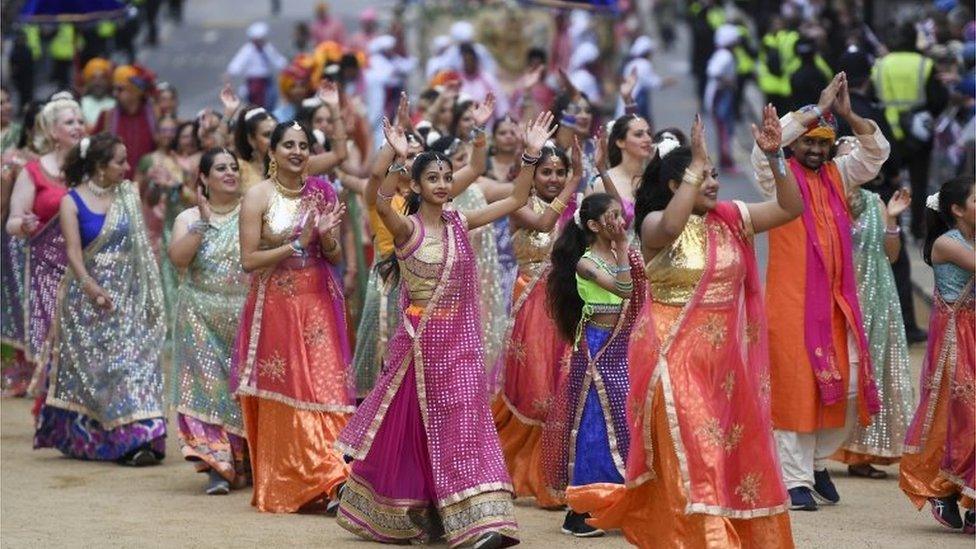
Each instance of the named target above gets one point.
<point>916,335</point>
<point>218,485</point>
<point>142,457</point>
<point>575,525</point>
<point>332,507</point>
<point>946,511</point>
<point>801,499</point>
<point>490,540</point>
<point>824,490</point>
<point>969,526</point>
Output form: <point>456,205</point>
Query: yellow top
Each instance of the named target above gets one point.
<point>280,220</point>
<point>421,261</point>
<point>382,237</point>
<point>674,273</point>
<point>532,248</point>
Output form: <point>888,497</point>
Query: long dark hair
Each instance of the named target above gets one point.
<point>279,132</point>
<point>388,268</point>
<point>565,304</point>
<point>246,127</point>
<point>457,113</point>
<point>954,192</point>
<point>100,150</point>
<point>654,193</point>
<point>618,131</point>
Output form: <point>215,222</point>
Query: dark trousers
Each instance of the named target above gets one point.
<point>916,160</point>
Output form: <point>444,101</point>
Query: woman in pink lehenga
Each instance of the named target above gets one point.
<point>428,461</point>
<point>939,461</point>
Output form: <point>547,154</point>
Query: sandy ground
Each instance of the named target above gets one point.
<point>47,500</point>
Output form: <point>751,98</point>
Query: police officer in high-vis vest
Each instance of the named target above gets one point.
<point>777,63</point>
<point>912,96</point>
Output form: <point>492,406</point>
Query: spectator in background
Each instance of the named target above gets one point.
<point>96,87</point>
<point>476,82</point>
<point>439,58</point>
<point>640,67</point>
<point>385,75</point>
<point>326,27</point>
<point>720,92</point>
<point>462,32</point>
<point>808,80</point>
<point>257,62</point>
<point>581,71</point>
<point>368,30</point>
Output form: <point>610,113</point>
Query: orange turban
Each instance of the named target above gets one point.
<point>825,127</point>
<point>299,70</point>
<point>135,76</point>
<point>94,67</point>
<point>443,77</point>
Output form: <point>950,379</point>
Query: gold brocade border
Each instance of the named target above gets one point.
<point>574,428</point>
<point>456,497</point>
<point>364,446</point>
<point>212,420</point>
<point>390,520</point>
<point>254,333</point>
<point>497,514</point>
<point>132,418</point>
<point>294,403</point>
<point>518,415</point>
<point>874,451</point>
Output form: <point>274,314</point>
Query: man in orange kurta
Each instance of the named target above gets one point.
<point>811,424</point>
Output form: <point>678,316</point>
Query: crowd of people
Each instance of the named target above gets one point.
<point>406,308</point>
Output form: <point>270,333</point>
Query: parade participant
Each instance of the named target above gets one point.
<point>505,146</point>
<point>937,466</point>
<point>629,147</point>
<point>257,61</point>
<point>581,71</point>
<point>640,68</point>
<point>160,180</point>
<point>368,30</point>
<point>186,150</point>
<point>105,395</point>
<point>702,465</point>
<point>294,83</point>
<point>534,348</point>
<point>167,101</point>
<point>476,82</point>
<point>252,135</point>
<point>327,28</point>
<point>9,128</point>
<point>291,357</point>
<point>875,241</point>
<point>428,463</point>
<point>589,291</point>
<point>34,204</point>
<point>208,309</point>
<point>97,84</point>
<point>133,119</point>
<point>822,387</point>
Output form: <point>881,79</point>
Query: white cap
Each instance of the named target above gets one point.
<point>382,43</point>
<point>642,46</point>
<point>726,35</point>
<point>257,30</point>
<point>440,43</point>
<point>585,53</point>
<point>462,32</point>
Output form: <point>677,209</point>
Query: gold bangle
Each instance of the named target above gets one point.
<point>558,208</point>
<point>695,180</point>
<point>333,247</point>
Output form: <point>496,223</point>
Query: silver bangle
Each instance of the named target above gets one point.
<point>296,247</point>
<point>893,231</point>
<point>200,227</point>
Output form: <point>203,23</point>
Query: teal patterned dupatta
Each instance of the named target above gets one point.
<point>106,364</point>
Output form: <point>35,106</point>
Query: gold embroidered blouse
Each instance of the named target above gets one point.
<point>532,248</point>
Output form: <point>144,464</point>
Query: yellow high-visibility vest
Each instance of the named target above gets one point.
<point>899,80</point>
<point>62,46</point>
<point>784,43</point>
<point>744,62</point>
<point>32,35</point>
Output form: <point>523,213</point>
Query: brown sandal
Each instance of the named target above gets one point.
<point>866,470</point>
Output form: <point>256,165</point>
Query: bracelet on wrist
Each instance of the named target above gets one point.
<point>693,179</point>
<point>297,247</point>
<point>557,206</point>
<point>331,249</point>
<point>200,227</point>
<point>893,231</point>
<point>529,160</point>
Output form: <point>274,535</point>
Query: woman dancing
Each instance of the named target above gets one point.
<point>535,349</point>
<point>291,357</point>
<point>428,463</point>
<point>595,289</point>
<point>105,398</point>
<point>208,309</point>
<point>703,467</point>
<point>937,466</point>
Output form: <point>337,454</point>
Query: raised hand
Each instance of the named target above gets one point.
<point>898,202</point>
<point>229,99</point>
<point>537,132</point>
<point>842,101</point>
<point>600,156</point>
<point>483,111</point>
<point>628,85</point>
<point>328,93</point>
<point>203,205</point>
<point>330,218</point>
<point>699,147</point>
<point>770,137</point>
<point>403,112</point>
<point>616,230</point>
<point>829,93</point>
<point>531,78</point>
<point>576,158</point>
<point>396,137</point>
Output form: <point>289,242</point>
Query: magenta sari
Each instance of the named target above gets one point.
<point>442,460</point>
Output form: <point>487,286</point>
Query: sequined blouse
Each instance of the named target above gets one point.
<point>951,279</point>
<point>674,273</point>
<point>532,248</point>
<point>421,260</point>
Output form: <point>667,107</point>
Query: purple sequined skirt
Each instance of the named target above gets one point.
<point>81,437</point>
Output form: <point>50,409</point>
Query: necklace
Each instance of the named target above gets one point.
<point>285,191</point>
<point>99,191</point>
<point>218,216</point>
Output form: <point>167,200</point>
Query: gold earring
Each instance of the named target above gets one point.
<point>272,169</point>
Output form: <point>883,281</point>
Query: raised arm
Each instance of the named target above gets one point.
<point>536,134</point>
<point>621,283</point>
<point>188,231</point>
<point>600,163</point>
<point>897,204</point>
<point>479,155</point>
<point>866,160</point>
<point>322,163</point>
<point>398,224</point>
<point>788,203</point>
<point>661,228</point>
<point>526,218</point>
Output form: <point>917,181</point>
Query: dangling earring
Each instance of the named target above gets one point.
<point>273,169</point>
